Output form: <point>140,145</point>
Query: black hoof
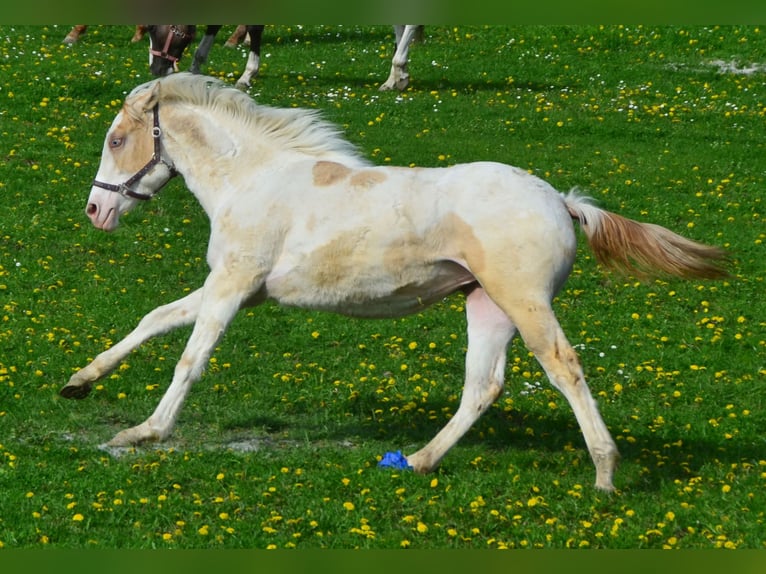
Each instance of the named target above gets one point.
<point>75,391</point>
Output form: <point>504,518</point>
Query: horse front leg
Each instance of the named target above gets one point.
<point>223,295</point>
<point>489,332</point>
<point>253,65</point>
<point>161,320</point>
<point>202,51</point>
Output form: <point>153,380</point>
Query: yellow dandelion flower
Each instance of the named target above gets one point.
<point>348,505</point>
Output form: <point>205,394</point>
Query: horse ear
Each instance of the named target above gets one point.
<point>143,101</point>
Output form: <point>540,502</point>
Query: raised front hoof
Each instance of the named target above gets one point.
<point>75,391</point>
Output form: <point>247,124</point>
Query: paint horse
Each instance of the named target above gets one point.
<point>168,43</point>
<point>299,217</point>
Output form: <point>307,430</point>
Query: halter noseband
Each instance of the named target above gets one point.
<point>124,189</point>
<point>164,52</point>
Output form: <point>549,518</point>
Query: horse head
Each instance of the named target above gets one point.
<point>167,43</point>
<point>132,165</point>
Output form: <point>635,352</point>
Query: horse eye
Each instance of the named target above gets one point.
<point>115,142</point>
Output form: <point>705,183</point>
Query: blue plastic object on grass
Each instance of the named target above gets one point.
<point>394,460</point>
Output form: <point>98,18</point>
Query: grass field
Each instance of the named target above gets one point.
<point>277,445</point>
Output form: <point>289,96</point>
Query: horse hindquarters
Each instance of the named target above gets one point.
<point>520,264</point>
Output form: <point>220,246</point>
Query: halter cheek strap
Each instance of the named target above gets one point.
<point>124,188</point>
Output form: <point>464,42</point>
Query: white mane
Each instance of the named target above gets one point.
<point>300,129</point>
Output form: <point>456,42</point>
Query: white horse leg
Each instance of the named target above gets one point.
<point>255,33</point>
<point>543,336</point>
<point>399,76</point>
<point>251,70</point>
<point>489,332</point>
<point>223,295</point>
<point>160,320</point>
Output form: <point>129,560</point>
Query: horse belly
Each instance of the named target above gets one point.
<point>366,291</point>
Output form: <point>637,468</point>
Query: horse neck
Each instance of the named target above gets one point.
<point>215,155</point>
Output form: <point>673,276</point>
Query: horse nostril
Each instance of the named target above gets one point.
<point>91,209</point>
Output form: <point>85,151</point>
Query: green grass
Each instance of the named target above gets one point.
<point>277,444</point>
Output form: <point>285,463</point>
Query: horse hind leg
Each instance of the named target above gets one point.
<point>543,336</point>
<point>489,332</point>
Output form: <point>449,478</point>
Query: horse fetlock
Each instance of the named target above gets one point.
<point>422,462</point>
<point>136,435</point>
<point>606,464</point>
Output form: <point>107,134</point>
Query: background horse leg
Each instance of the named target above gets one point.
<point>140,32</point>
<point>253,58</point>
<point>399,77</point>
<point>202,51</point>
<point>222,296</point>
<point>489,332</point>
<point>543,336</point>
<point>161,320</point>
<point>239,35</point>
<point>74,34</point>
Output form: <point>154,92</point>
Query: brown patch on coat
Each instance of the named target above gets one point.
<point>137,147</point>
<point>451,238</point>
<point>329,172</point>
<point>367,178</point>
<point>470,247</point>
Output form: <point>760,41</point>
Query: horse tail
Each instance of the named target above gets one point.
<point>644,250</point>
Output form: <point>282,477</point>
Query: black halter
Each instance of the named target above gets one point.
<point>124,189</point>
